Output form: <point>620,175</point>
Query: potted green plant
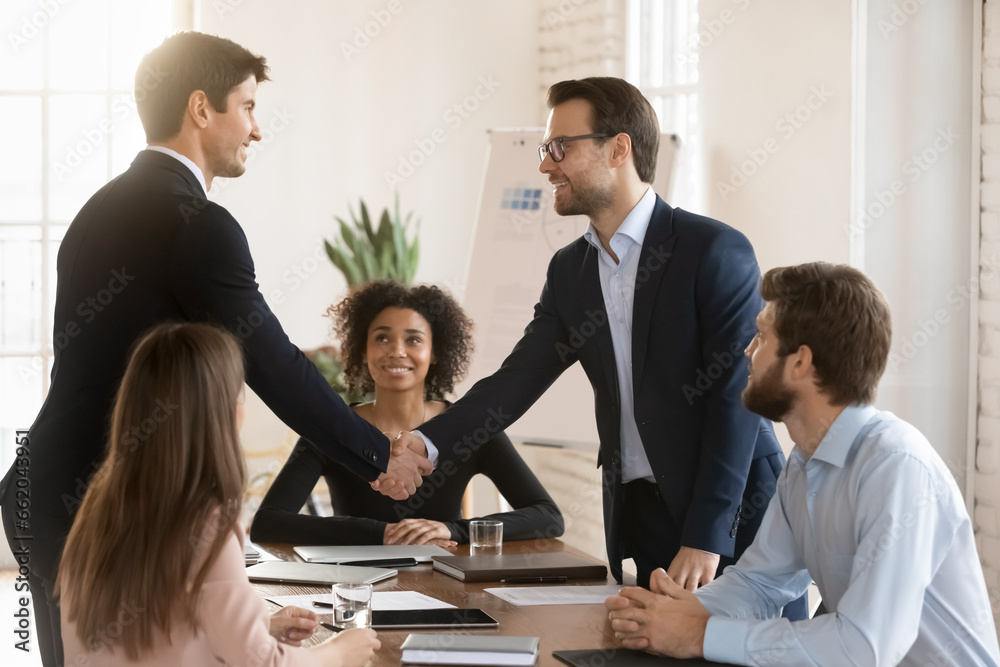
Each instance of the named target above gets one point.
<point>363,252</point>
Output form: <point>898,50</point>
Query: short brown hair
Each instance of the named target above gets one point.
<point>616,106</point>
<point>451,332</point>
<point>185,62</point>
<point>839,313</point>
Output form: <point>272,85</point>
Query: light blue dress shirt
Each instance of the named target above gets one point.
<point>876,519</point>
<point>618,288</point>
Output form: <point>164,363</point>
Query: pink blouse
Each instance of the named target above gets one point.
<point>232,627</point>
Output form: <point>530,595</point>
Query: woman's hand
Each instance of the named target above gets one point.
<point>350,648</point>
<point>418,531</point>
<point>293,624</point>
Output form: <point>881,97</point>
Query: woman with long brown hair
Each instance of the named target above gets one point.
<point>153,568</point>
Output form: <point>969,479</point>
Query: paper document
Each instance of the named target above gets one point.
<point>523,596</point>
<point>381,601</point>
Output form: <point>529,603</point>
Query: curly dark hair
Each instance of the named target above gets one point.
<point>451,332</point>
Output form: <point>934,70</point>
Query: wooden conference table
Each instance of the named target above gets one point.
<point>579,626</point>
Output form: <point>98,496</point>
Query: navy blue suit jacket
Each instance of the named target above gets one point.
<point>696,300</point>
<point>149,248</point>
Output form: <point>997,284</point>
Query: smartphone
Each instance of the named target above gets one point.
<point>431,618</point>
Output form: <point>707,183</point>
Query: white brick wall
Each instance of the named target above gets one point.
<point>987,483</point>
<point>581,38</point>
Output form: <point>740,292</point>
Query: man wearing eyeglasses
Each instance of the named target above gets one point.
<point>687,470</point>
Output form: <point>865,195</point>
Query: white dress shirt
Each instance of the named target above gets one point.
<point>876,519</point>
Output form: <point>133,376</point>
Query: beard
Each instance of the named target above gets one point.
<point>588,201</point>
<point>768,396</point>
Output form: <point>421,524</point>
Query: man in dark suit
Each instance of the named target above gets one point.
<point>147,248</point>
<point>657,304</point>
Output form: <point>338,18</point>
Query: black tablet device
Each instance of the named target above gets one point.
<point>387,619</point>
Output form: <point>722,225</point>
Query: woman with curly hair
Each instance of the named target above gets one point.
<point>407,346</point>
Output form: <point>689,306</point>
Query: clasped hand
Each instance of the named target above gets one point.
<point>418,531</point>
<point>666,619</point>
<point>407,466</point>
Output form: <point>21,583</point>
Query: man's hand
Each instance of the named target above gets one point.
<point>670,620</point>
<point>692,568</point>
<point>406,467</point>
<point>418,531</point>
<point>293,624</point>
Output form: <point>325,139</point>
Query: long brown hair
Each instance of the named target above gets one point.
<point>174,463</point>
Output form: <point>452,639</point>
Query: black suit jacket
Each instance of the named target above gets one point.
<point>696,300</point>
<point>149,248</point>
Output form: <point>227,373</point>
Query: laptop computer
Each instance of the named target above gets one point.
<point>421,553</point>
<point>285,572</point>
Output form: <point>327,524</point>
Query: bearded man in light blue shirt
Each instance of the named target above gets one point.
<point>865,508</point>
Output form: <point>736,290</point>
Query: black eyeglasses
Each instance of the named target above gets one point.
<point>556,149</point>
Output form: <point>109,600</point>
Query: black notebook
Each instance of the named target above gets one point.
<point>519,566</point>
<point>623,657</point>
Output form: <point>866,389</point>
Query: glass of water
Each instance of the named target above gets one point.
<point>352,605</point>
<point>485,538</point>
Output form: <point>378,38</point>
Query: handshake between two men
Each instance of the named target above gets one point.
<point>407,466</point>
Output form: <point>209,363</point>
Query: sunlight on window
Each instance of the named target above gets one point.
<point>662,62</point>
<point>137,27</point>
<point>21,297</point>
<point>21,172</point>
<point>68,124</point>
<point>78,43</point>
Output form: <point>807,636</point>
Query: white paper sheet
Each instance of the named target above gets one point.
<point>381,600</point>
<point>523,596</point>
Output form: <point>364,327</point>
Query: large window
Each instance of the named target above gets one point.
<point>662,61</point>
<point>67,124</point>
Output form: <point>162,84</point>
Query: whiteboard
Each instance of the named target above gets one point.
<point>516,234</point>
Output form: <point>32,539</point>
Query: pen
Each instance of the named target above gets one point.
<point>330,627</point>
<point>534,580</point>
<point>385,562</point>
<point>322,604</point>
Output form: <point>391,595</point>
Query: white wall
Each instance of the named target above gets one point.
<point>351,119</point>
<point>763,62</point>
<point>776,168</point>
<point>782,171</point>
<point>914,182</point>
